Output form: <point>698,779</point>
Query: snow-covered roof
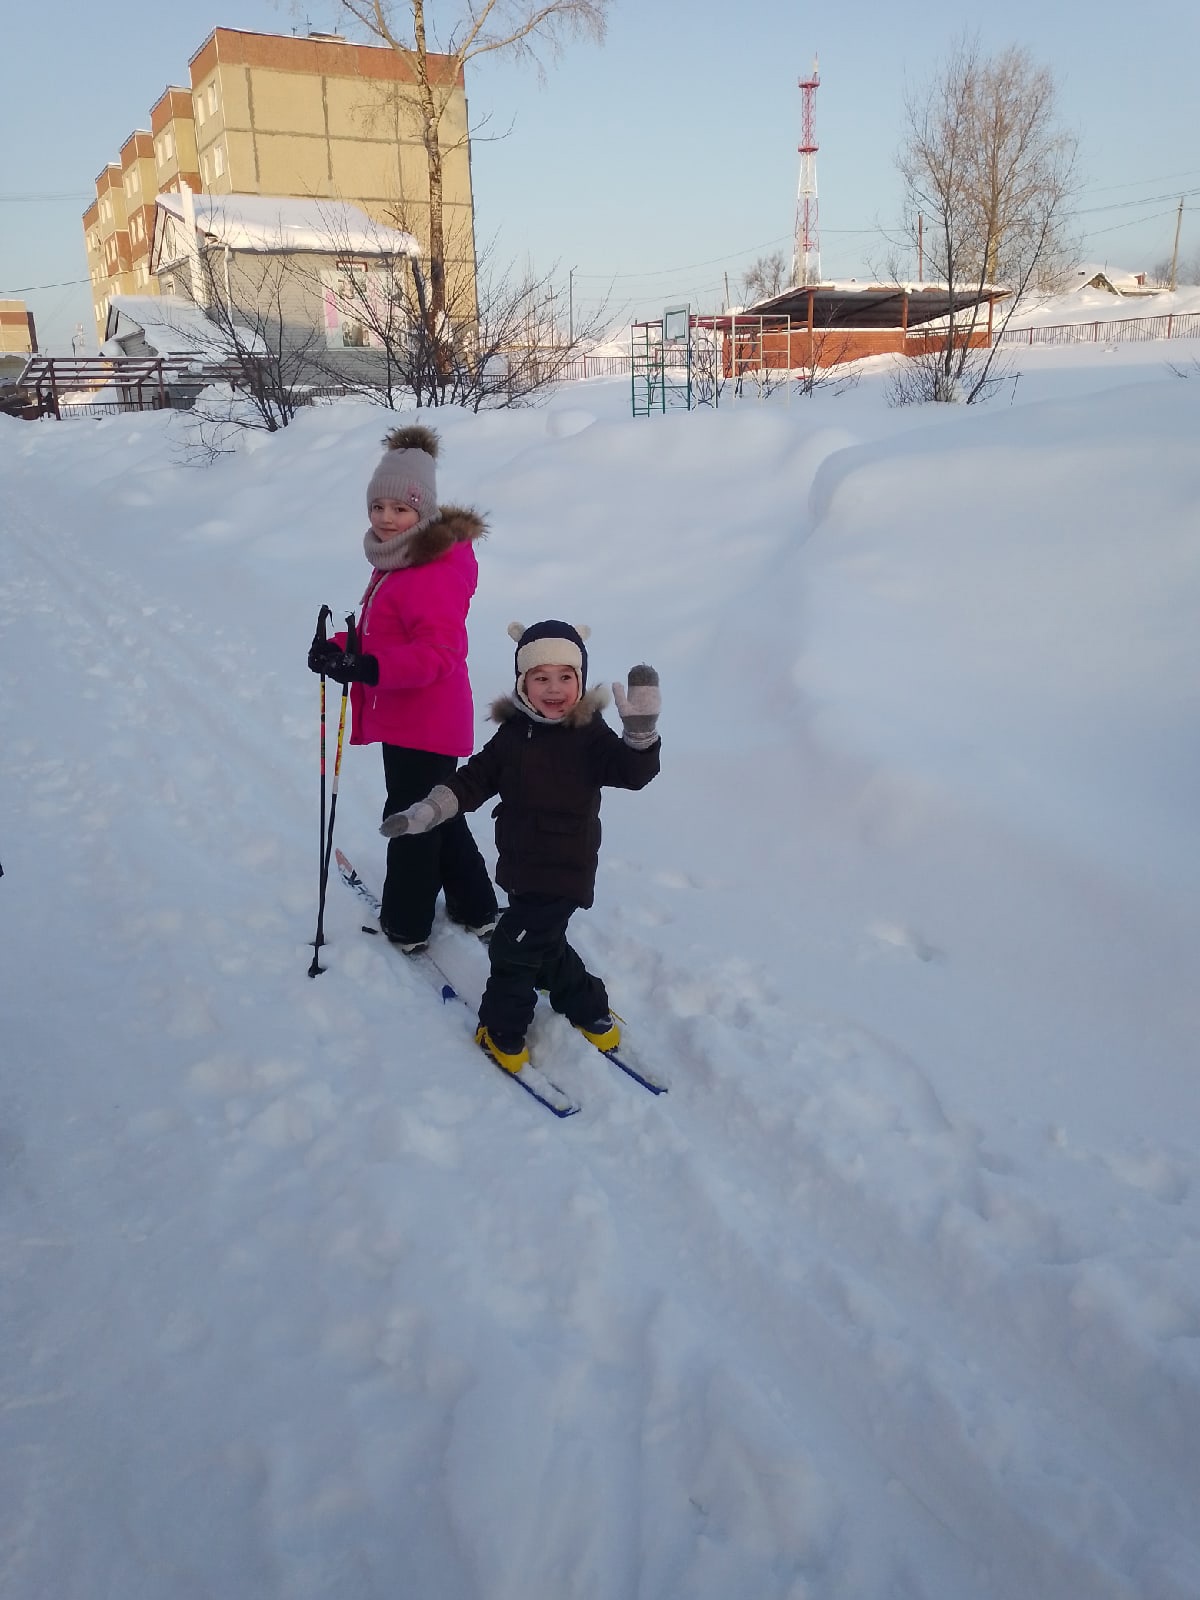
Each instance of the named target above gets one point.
<point>170,326</point>
<point>266,223</point>
<point>1089,271</point>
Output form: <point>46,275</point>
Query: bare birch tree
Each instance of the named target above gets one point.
<point>765,277</point>
<point>478,27</point>
<point>990,170</point>
<point>500,342</point>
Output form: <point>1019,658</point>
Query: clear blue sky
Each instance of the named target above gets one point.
<point>654,164</point>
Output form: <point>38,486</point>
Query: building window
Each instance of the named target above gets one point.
<point>168,141</point>
<point>218,157</point>
<point>212,98</point>
<point>198,107</point>
<point>356,304</point>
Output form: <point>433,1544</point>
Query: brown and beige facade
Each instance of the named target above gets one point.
<point>17,334</point>
<point>315,118</point>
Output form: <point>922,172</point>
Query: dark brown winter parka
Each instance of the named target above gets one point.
<point>549,777</point>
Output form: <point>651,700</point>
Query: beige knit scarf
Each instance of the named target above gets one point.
<point>388,555</point>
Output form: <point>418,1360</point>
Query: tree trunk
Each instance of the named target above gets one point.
<point>430,119</point>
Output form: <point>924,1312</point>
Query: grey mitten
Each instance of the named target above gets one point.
<point>638,710</point>
<point>438,806</point>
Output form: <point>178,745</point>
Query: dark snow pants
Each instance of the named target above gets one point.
<point>418,865</point>
<point>529,951</point>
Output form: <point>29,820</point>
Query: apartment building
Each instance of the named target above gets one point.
<point>173,131</point>
<point>111,241</point>
<point>139,184</point>
<point>17,334</point>
<point>310,117</point>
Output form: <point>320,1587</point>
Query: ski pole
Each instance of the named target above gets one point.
<point>351,649</point>
<point>319,638</point>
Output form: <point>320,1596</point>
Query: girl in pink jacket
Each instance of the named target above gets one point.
<point>409,689</point>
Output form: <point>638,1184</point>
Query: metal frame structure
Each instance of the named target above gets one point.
<point>660,367</point>
<point>55,381</point>
<point>78,385</point>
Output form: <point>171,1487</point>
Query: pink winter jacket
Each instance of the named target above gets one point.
<point>414,621</point>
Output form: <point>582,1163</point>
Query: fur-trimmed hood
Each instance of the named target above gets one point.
<point>452,525</point>
<point>590,705</point>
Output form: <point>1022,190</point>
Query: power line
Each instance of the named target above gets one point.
<point>692,266</point>
<point>1137,222</point>
<point>17,198</point>
<point>33,288</point>
<point>1128,205</point>
<point>714,261</point>
<point>1134,183</point>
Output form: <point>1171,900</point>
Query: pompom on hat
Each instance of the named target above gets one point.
<point>549,644</point>
<point>408,472</point>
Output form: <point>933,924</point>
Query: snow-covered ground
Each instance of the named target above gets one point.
<point>1101,305</point>
<point>895,1296</point>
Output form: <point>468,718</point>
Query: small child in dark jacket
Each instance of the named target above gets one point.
<point>548,761</point>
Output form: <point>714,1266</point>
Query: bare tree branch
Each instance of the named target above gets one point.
<point>985,163</point>
<point>481,27</point>
<point>766,276</point>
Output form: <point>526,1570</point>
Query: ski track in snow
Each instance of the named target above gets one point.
<point>837,1309</point>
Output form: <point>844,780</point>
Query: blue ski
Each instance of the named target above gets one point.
<point>533,1081</point>
<point>629,1064</point>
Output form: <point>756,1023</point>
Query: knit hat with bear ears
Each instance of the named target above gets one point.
<point>549,644</point>
<point>408,472</point>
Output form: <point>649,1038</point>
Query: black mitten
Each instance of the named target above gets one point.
<point>331,661</point>
<point>323,654</point>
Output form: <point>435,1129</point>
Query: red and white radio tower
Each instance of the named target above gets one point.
<point>806,252</point>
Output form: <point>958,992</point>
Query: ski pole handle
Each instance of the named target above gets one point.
<point>351,636</point>
<point>323,616</point>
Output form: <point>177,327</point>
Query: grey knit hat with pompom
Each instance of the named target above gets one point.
<point>408,472</point>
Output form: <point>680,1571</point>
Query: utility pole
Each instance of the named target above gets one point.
<point>920,247</point>
<point>571,305</point>
<point>1175,251</point>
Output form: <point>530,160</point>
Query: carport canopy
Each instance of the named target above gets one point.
<point>876,305</point>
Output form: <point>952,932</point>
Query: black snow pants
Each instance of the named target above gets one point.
<point>529,951</point>
<point>419,865</point>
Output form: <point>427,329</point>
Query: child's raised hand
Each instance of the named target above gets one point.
<point>639,708</point>
<point>438,806</point>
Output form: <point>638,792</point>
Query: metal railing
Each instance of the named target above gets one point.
<point>1121,330</point>
<point>107,408</point>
